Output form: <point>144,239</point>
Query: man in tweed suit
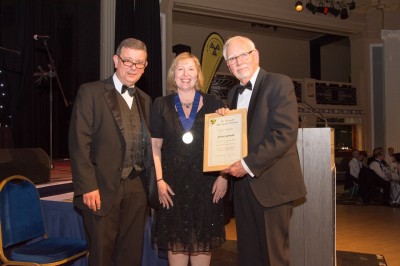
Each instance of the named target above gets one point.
<point>112,164</point>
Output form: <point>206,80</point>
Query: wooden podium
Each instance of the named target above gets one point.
<point>312,232</point>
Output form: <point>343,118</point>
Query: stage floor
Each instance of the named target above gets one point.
<point>60,186</point>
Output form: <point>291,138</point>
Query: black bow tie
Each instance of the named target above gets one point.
<point>241,88</point>
<point>125,88</point>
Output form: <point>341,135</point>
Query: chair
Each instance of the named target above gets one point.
<point>354,189</point>
<point>23,237</point>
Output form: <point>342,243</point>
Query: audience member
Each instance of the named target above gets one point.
<point>395,171</point>
<point>384,177</point>
<point>353,169</point>
<point>390,153</point>
<point>372,158</point>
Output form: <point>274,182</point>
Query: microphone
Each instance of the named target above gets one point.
<point>40,37</point>
<point>314,111</point>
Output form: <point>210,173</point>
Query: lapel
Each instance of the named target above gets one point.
<point>111,99</point>
<point>254,97</point>
<point>234,98</point>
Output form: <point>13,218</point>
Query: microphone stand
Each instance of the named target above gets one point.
<point>320,115</point>
<point>314,113</point>
<point>52,73</point>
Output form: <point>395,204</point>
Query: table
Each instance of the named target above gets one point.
<point>62,219</point>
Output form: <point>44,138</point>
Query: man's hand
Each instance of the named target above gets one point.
<point>92,200</point>
<point>222,111</point>
<point>236,169</point>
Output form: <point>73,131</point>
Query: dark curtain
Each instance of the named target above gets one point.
<point>73,27</point>
<point>74,45</point>
<point>140,19</point>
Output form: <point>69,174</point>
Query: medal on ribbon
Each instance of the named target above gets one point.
<point>187,123</point>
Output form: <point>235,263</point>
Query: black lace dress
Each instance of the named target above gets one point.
<point>194,224</point>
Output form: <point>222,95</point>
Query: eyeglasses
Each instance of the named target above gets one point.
<point>138,65</point>
<point>232,61</point>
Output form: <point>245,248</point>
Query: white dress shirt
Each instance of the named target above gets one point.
<point>355,166</point>
<point>243,103</point>
<point>118,86</point>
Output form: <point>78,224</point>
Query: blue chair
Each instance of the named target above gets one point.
<point>23,238</point>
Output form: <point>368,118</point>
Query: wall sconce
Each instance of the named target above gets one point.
<point>298,6</point>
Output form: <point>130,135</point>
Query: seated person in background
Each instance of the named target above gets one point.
<point>395,171</point>
<point>353,170</point>
<point>384,177</point>
<point>372,158</point>
<point>390,153</point>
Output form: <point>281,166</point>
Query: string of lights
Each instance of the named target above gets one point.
<point>326,7</point>
<point>4,107</point>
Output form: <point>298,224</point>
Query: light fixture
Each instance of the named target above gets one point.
<point>352,5</point>
<point>311,7</point>
<point>343,13</point>
<point>335,8</point>
<point>332,10</point>
<point>299,6</point>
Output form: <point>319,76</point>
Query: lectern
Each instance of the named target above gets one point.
<point>312,232</point>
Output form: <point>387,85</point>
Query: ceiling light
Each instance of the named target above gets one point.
<point>299,6</point>
<point>352,5</point>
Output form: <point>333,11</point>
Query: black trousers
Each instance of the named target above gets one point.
<point>262,232</point>
<point>117,238</point>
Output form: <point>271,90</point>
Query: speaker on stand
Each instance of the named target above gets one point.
<point>33,163</point>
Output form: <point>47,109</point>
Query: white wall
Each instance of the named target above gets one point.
<point>281,55</point>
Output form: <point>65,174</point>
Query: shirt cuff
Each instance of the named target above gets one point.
<point>247,168</point>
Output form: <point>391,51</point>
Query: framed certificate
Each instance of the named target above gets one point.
<point>225,139</point>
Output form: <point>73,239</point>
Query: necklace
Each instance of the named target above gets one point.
<point>187,105</point>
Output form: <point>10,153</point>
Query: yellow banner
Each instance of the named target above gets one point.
<point>211,58</point>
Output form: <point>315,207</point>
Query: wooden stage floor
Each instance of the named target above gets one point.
<point>364,229</point>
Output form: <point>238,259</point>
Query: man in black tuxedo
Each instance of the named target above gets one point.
<point>269,178</point>
<point>112,163</point>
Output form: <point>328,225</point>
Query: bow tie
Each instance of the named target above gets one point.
<point>241,88</point>
<point>125,88</point>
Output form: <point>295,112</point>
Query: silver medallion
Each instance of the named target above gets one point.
<point>187,138</point>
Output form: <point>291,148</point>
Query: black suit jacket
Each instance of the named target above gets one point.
<point>272,136</point>
<point>97,144</point>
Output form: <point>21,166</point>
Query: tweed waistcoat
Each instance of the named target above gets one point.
<point>133,138</point>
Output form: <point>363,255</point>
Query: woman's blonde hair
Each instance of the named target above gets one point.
<point>171,84</point>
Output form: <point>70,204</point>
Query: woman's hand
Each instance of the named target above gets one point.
<point>219,188</point>
<point>164,194</point>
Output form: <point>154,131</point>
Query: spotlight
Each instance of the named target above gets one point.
<point>299,6</point>
<point>334,11</point>
<point>343,13</point>
<point>311,7</point>
<point>352,5</point>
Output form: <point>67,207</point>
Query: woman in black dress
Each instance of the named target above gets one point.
<point>190,221</point>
